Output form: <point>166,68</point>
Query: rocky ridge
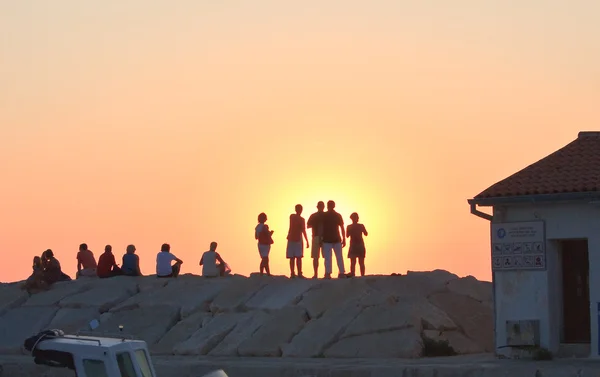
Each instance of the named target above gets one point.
<point>369,317</point>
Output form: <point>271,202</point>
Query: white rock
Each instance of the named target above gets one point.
<point>11,296</point>
<point>398,315</point>
<point>234,296</point>
<point>280,293</point>
<point>404,343</point>
<point>102,296</point>
<point>412,285</point>
<point>148,323</point>
<point>181,332</point>
<point>242,331</point>
<point>72,320</point>
<point>278,330</point>
<point>459,342</point>
<point>329,294</point>
<point>19,324</point>
<point>57,292</point>
<point>474,318</point>
<point>208,337</point>
<point>319,333</point>
<point>470,286</point>
<point>189,295</point>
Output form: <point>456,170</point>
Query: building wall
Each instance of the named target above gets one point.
<point>522,295</point>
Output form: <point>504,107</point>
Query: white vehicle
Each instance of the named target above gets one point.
<point>95,356</point>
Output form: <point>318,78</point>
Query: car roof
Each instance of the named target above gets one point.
<point>70,341</point>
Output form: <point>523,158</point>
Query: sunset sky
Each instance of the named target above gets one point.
<point>157,121</point>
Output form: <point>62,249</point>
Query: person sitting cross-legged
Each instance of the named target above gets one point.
<point>131,262</point>
<point>210,267</point>
<point>107,266</point>
<point>164,269</point>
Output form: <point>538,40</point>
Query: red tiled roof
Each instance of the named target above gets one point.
<point>573,168</point>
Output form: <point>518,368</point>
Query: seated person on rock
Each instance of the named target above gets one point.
<point>52,270</point>
<point>36,282</point>
<point>164,269</point>
<point>210,267</point>
<point>107,266</point>
<point>131,262</point>
<point>86,263</point>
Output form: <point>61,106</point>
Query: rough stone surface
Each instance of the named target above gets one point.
<point>470,286</point>
<point>11,297</point>
<point>474,319</point>
<point>208,337</point>
<point>102,296</point>
<point>72,320</point>
<point>278,330</point>
<point>319,333</point>
<point>280,293</point>
<point>272,317</point>
<point>234,296</point>
<point>331,294</point>
<point>181,332</point>
<point>459,342</point>
<point>147,323</point>
<point>19,324</point>
<point>59,291</point>
<point>405,343</point>
<point>243,330</point>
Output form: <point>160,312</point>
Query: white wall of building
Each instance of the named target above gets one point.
<point>526,295</point>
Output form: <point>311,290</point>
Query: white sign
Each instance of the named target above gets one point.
<point>518,246</point>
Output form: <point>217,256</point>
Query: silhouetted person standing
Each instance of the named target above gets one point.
<point>357,248</point>
<point>294,250</point>
<point>264,236</point>
<point>332,224</point>
<point>315,222</point>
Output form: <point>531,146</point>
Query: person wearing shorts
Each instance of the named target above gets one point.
<point>315,223</point>
<point>294,250</point>
<point>264,236</point>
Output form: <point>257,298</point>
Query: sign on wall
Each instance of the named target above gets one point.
<point>518,246</point>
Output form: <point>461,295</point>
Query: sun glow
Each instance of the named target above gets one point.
<point>367,200</point>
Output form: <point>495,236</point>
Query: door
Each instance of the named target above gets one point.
<point>576,296</point>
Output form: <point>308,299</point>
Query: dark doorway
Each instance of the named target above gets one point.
<point>576,292</point>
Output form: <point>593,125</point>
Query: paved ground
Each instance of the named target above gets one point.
<point>467,366</point>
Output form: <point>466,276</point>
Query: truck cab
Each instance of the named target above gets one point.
<point>94,355</point>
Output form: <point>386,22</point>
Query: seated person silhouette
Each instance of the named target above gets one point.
<point>210,267</point>
<point>52,270</point>
<point>35,282</point>
<point>131,262</point>
<point>107,266</point>
<point>164,269</point>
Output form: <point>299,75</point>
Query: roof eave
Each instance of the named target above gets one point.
<point>539,198</point>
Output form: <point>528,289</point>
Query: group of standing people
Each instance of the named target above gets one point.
<point>328,239</point>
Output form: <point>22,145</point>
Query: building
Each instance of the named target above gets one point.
<point>545,251</point>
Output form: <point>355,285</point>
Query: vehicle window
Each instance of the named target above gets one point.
<point>142,360</point>
<point>125,365</point>
<point>94,368</point>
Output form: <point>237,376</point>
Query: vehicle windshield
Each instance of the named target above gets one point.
<point>125,365</point>
<point>142,360</point>
<point>94,368</point>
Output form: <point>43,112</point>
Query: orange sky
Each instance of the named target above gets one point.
<point>149,122</point>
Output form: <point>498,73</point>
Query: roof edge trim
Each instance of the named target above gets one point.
<point>540,198</point>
